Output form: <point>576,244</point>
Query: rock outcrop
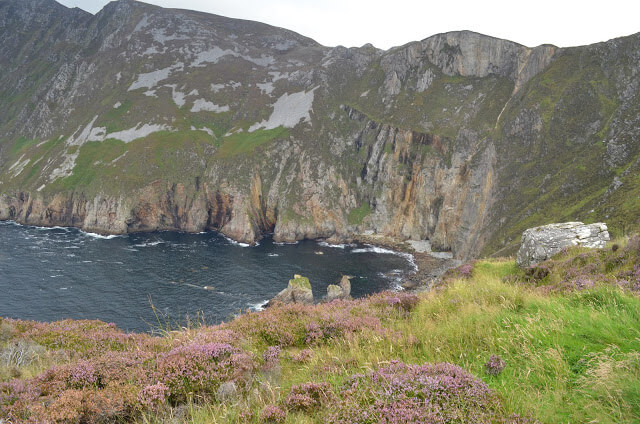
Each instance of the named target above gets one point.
<point>298,291</point>
<point>342,291</point>
<point>540,243</point>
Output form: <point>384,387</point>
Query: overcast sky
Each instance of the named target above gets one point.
<point>387,23</point>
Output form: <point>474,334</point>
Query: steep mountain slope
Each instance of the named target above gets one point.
<point>142,118</point>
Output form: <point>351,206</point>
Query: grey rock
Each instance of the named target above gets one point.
<point>345,284</point>
<point>540,243</point>
<point>333,292</point>
<point>343,291</point>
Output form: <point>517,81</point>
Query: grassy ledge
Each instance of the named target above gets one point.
<point>559,342</point>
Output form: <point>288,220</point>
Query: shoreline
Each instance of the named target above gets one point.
<point>430,265</point>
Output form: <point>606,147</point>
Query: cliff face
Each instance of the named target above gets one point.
<point>141,118</point>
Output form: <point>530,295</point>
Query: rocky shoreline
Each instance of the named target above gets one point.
<point>429,265</point>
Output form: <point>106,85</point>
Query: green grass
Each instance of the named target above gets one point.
<point>93,161</point>
<point>246,142</point>
<point>356,215</point>
<point>21,144</point>
<point>571,358</point>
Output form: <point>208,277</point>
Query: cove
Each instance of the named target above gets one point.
<point>49,274</point>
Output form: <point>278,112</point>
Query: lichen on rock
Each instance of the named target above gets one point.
<point>540,243</point>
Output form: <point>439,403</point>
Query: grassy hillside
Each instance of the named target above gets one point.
<point>559,342</point>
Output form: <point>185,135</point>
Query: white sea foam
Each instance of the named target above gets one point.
<point>148,244</point>
<point>285,243</point>
<point>394,279</point>
<point>337,245</point>
<point>50,228</point>
<point>272,254</point>
<point>100,236</point>
<point>258,306</point>
<point>237,243</point>
<point>375,249</point>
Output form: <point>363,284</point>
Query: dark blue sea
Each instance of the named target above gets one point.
<point>143,281</point>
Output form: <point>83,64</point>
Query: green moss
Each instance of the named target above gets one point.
<point>300,281</point>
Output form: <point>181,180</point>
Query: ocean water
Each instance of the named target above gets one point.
<point>142,281</point>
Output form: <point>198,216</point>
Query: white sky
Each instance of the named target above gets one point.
<point>387,23</point>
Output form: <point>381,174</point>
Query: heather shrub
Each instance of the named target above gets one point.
<point>388,304</point>
<point>271,356</point>
<point>300,325</point>
<point>402,393</point>
<point>303,356</point>
<point>495,365</point>
<point>537,272</point>
<point>84,337</point>
<point>153,396</point>
<point>198,370</point>
<point>577,269</point>
<point>273,414</point>
<point>308,396</point>
<point>463,271</point>
<point>84,374</point>
<point>88,406</point>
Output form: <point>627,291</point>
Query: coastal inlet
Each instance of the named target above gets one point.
<point>140,281</point>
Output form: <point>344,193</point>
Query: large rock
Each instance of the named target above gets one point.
<point>343,291</point>
<point>298,291</point>
<point>540,243</point>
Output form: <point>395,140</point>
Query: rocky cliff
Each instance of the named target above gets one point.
<point>141,118</point>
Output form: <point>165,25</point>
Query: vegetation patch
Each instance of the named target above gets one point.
<point>491,343</point>
<point>93,161</point>
<point>245,142</point>
<point>22,143</point>
<point>356,215</point>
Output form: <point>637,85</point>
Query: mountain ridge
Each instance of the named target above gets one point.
<point>142,118</point>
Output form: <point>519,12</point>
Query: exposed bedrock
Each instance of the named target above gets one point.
<point>141,118</point>
<point>410,187</point>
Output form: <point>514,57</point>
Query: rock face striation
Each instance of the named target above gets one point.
<point>540,243</point>
<point>141,118</point>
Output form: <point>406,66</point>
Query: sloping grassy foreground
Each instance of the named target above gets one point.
<point>557,343</point>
